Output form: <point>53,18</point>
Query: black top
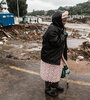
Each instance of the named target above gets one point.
<point>54,40</point>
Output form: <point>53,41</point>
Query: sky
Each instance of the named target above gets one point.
<point>50,4</point>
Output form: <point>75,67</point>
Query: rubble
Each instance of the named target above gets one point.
<point>4,39</point>
<point>80,21</point>
<point>1,43</point>
<point>26,50</point>
<point>23,32</point>
<point>89,35</point>
<point>75,35</point>
<point>80,57</point>
<point>83,52</point>
<point>88,22</point>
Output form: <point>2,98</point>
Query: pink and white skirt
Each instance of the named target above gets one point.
<point>50,72</point>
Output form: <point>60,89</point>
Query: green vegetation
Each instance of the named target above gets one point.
<point>50,12</point>
<point>42,12</point>
<point>38,12</point>
<point>79,9</point>
<point>12,7</point>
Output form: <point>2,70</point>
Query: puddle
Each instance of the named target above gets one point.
<point>48,23</point>
<point>10,46</point>
<point>83,28</point>
<point>78,26</point>
<point>75,43</point>
<point>16,46</point>
<point>34,44</point>
<point>34,49</point>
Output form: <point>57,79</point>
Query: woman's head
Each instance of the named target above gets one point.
<point>64,17</point>
<point>59,18</point>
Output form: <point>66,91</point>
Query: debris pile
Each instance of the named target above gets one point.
<point>80,21</point>
<point>25,42</point>
<point>83,51</point>
<point>89,35</point>
<point>75,34</point>
<point>23,32</point>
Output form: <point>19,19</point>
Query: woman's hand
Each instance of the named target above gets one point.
<point>64,61</point>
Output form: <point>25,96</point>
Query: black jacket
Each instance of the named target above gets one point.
<point>53,44</point>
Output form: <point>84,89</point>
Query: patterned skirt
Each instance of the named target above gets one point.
<point>50,72</point>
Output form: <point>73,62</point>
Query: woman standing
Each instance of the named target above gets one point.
<point>53,47</point>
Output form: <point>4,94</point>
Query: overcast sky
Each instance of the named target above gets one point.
<point>50,4</point>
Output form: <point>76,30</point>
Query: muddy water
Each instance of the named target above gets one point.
<point>80,27</point>
<point>75,43</point>
<point>83,29</point>
<point>72,43</point>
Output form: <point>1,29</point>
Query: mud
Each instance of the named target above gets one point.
<point>18,50</point>
<point>79,31</point>
<point>23,32</point>
<point>80,21</point>
<point>19,85</point>
<point>25,41</point>
<point>83,50</point>
<point>23,50</point>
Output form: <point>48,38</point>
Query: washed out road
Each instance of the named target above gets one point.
<point>20,80</point>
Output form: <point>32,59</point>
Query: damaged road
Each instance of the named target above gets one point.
<point>26,84</point>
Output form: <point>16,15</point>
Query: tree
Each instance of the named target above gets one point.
<point>80,9</point>
<point>50,12</point>
<point>0,7</point>
<point>38,12</point>
<point>62,8</point>
<point>12,7</point>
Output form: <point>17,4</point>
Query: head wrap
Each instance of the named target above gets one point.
<point>65,14</point>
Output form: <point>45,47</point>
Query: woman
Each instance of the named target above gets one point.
<point>53,47</point>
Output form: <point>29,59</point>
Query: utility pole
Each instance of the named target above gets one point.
<point>18,10</point>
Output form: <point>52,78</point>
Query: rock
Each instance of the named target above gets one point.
<point>81,53</point>
<point>80,57</point>
<point>1,43</point>
<point>9,56</point>
<point>4,40</point>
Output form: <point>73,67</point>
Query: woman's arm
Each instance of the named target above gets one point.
<point>64,61</point>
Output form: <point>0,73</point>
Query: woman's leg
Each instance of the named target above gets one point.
<point>47,86</point>
<point>51,91</point>
<point>56,85</point>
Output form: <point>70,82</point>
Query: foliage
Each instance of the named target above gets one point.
<point>50,12</point>
<point>80,9</point>
<point>12,7</point>
<point>38,12</point>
